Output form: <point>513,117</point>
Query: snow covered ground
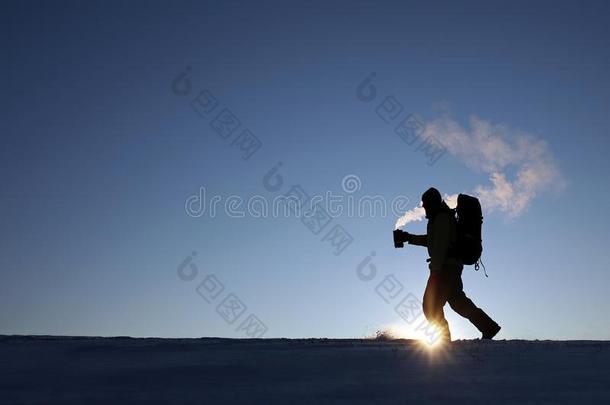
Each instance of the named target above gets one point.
<point>303,371</point>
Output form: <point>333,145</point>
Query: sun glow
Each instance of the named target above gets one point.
<point>431,344</point>
<point>427,335</point>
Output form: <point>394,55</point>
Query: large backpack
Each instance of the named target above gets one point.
<point>469,219</point>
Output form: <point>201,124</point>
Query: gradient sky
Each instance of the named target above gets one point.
<point>99,155</point>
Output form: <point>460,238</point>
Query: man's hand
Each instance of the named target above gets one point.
<point>400,237</point>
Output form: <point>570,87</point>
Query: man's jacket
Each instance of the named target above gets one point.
<point>441,236</point>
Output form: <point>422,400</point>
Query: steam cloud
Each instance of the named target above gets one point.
<point>498,151</point>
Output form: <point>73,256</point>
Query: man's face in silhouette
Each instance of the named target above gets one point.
<point>430,209</point>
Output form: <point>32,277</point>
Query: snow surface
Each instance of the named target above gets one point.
<point>301,371</point>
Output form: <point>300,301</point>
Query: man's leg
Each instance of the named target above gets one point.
<point>434,299</point>
<point>461,304</point>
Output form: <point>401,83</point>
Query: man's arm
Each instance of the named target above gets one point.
<point>419,240</point>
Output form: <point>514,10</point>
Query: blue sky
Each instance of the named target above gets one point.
<point>99,155</point>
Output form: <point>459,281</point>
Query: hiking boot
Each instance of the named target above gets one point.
<point>489,334</point>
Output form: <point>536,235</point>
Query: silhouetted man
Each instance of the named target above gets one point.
<point>445,281</point>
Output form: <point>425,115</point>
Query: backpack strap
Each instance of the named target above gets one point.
<point>476,266</point>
